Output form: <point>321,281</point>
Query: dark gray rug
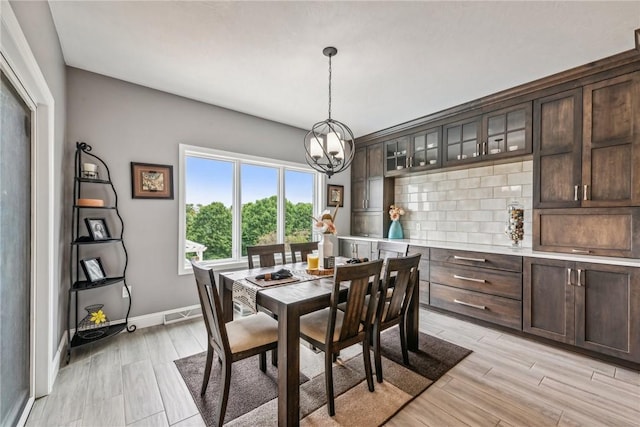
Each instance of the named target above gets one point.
<point>252,397</point>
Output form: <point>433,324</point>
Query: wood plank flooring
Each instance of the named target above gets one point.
<point>506,381</point>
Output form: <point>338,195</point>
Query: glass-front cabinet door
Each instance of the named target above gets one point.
<point>425,149</point>
<point>508,132</point>
<point>397,154</point>
<point>462,141</point>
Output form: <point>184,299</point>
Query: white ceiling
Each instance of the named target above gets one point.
<point>396,60</point>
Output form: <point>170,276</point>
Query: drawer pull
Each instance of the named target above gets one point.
<point>580,251</point>
<point>464,258</point>
<point>468,304</point>
<point>569,277</point>
<point>471,279</point>
<point>579,278</point>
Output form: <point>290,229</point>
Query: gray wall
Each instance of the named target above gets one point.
<point>37,25</point>
<point>126,122</point>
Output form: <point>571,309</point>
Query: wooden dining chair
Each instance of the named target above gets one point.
<point>331,330</point>
<point>267,254</point>
<point>398,283</point>
<point>232,341</point>
<point>304,249</point>
<point>388,249</point>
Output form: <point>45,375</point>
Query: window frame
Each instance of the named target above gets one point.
<point>238,159</point>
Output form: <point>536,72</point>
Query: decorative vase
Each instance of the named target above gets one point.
<point>395,230</point>
<point>325,249</point>
<point>515,224</point>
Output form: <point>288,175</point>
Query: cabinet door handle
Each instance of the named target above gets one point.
<point>576,188</point>
<point>569,277</point>
<point>468,304</point>
<point>585,192</point>
<point>464,258</point>
<point>471,279</point>
<point>579,278</point>
<point>580,251</point>
<point>363,201</point>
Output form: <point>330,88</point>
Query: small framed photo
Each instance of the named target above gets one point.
<point>93,270</point>
<point>97,228</point>
<point>335,195</point>
<point>150,181</point>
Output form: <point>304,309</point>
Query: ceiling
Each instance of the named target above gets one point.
<point>396,60</point>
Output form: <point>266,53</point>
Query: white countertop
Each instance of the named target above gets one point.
<point>506,250</point>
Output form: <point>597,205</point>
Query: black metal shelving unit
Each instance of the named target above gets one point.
<point>77,284</point>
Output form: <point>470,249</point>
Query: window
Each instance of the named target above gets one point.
<point>230,201</point>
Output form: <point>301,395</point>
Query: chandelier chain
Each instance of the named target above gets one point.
<point>330,86</point>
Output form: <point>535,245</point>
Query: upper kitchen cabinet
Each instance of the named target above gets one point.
<point>371,192</point>
<point>367,175</point>
<point>611,142</point>
<point>498,134</point>
<point>557,149</point>
<point>416,152</point>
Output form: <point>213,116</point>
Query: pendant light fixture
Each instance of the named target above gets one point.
<point>329,145</point>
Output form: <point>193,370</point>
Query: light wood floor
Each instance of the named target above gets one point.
<point>506,381</point>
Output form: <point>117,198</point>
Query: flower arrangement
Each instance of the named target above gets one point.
<point>395,212</point>
<point>326,222</point>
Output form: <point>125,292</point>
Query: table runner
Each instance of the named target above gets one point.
<point>244,291</point>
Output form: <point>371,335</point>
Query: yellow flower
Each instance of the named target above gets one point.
<point>98,317</point>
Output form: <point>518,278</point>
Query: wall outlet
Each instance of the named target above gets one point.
<point>418,227</point>
<point>124,291</point>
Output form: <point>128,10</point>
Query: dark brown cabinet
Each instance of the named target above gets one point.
<point>593,306</point>
<point>611,142</point>
<point>557,150</point>
<point>498,134</point>
<point>371,192</point>
<point>353,248</point>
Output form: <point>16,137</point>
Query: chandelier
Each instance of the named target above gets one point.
<point>329,145</point>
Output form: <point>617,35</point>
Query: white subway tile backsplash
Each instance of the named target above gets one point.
<point>507,168</point>
<point>456,175</point>
<point>466,205</point>
<point>446,226</point>
<point>481,171</point>
<point>520,178</point>
<point>446,185</point>
<point>493,180</point>
<point>469,182</point>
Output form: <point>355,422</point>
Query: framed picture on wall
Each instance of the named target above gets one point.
<point>335,195</point>
<point>151,181</point>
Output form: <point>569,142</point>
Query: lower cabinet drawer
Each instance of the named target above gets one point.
<point>495,282</point>
<point>491,308</point>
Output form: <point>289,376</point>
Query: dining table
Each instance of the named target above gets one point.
<point>289,302</point>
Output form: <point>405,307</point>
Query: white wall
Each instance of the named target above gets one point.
<point>467,205</point>
<point>124,122</point>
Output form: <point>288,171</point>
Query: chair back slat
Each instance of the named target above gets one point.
<point>403,274</point>
<point>211,309</point>
<point>266,254</point>
<point>358,278</point>
<point>304,249</point>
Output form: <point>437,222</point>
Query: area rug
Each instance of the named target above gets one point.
<point>253,394</point>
